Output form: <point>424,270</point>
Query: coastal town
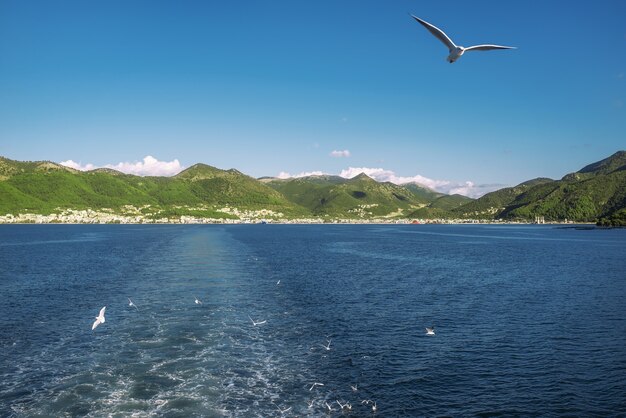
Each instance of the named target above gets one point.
<point>138,215</point>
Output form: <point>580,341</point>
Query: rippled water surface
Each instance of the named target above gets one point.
<point>530,320</point>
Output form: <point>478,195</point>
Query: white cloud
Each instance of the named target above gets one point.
<point>149,166</point>
<point>78,166</point>
<point>340,154</point>
<point>285,175</point>
<point>380,174</point>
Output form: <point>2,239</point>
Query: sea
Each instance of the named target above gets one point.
<point>312,320</point>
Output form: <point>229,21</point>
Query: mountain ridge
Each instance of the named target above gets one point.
<point>596,192</point>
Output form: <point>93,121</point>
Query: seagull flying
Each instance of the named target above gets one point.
<point>282,411</point>
<point>456,50</point>
<point>99,319</point>
<point>315,384</point>
<point>256,323</point>
<point>354,388</point>
<point>345,405</point>
<point>327,347</point>
<point>430,330</point>
<point>131,304</point>
<point>198,301</point>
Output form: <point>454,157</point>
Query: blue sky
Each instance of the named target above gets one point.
<point>276,86</point>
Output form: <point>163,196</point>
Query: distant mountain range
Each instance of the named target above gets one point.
<point>597,192</point>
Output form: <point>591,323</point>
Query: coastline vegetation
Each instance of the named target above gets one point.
<point>596,193</point>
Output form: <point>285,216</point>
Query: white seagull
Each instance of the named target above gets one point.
<point>99,319</point>
<point>315,384</point>
<point>369,401</point>
<point>282,411</point>
<point>430,330</point>
<point>345,405</point>
<point>327,347</point>
<point>456,50</point>
<point>256,323</point>
<point>198,301</point>
<point>132,304</point>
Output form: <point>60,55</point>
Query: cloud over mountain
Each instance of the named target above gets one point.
<point>467,188</point>
<point>149,166</point>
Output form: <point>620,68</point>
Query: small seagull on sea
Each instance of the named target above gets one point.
<point>430,330</point>
<point>345,405</point>
<point>278,282</point>
<point>310,403</point>
<point>456,50</point>
<point>327,346</point>
<point>256,323</point>
<point>99,319</point>
<point>354,388</point>
<point>282,411</point>
<point>198,301</point>
<point>315,384</point>
<point>132,304</point>
<point>368,401</point>
<point>330,408</point>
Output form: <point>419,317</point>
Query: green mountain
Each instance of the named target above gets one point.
<point>358,197</point>
<point>42,187</point>
<point>362,196</point>
<point>424,194</point>
<point>441,207</point>
<point>597,191</point>
<point>494,203</point>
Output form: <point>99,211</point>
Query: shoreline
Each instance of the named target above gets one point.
<point>333,222</point>
<point>234,216</point>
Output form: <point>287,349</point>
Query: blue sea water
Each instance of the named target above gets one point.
<point>530,320</point>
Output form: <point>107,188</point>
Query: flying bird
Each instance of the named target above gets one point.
<point>456,50</point>
<point>327,347</point>
<point>257,323</point>
<point>132,304</point>
<point>430,330</point>
<point>282,411</point>
<point>198,301</point>
<point>345,405</point>
<point>99,319</point>
<point>315,384</point>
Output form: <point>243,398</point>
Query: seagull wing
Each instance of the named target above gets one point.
<point>439,34</point>
<point>101,315</point>
<point>487,47</point>
<point>95,324</point>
